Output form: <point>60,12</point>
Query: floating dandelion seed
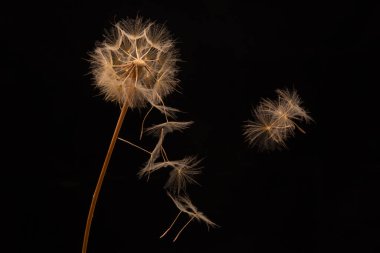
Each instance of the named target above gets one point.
<point>154,155</point>
<point>184,205</point>
<point>169,127</point>
<point>182,174</point>
<point>292,103</point>
<point>275,121</point>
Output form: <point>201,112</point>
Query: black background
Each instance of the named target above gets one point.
<point>319,195</point>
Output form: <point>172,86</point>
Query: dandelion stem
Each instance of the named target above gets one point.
<point>134,145</point>
<point>183,229</point>
<point>171,225</point>
<point>102,174</point>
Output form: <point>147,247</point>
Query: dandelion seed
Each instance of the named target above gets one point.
<point>169,112</point>
<point>262,132</point>
<point>275,121</point>
<point>293,104</point>
<point>184,205</point>
<point>169,127</point>
<point>154,155</point>
<point>182,174</point>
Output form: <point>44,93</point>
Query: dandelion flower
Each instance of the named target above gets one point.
<point>136,62</point>
<point>134,66</point>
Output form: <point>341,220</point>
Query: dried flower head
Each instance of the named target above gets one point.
<point>136,62</point>
<point>275,121</point>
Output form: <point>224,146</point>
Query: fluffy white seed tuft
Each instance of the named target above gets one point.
<point>136,62</point>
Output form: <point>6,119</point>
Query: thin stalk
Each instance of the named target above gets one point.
<point>171,225</point>
<point>95,196</point>
<point>299,128</point>
<point>134,145</point>
<point>175,239</point>
<point>165,155</point>
<point>142,124</point>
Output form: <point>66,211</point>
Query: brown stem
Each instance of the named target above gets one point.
<point>102,174</point>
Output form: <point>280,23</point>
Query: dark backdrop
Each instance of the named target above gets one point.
<point>319,195</point>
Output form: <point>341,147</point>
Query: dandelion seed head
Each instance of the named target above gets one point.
<point>137,62</point>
